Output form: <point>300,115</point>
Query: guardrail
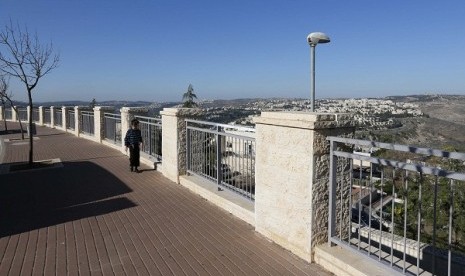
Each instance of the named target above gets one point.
<point>70,119</point>
<point>58,117</point>
<point>412,218</point>
<point>223,154</point>
<point>151,135</point>
<point>87,122</point>
<point>22,114</point>
<point>112,127</point>
<point>47,116</point>
<point>8,113</point>
<point>35,115</point>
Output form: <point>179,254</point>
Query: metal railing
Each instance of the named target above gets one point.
<point>412,218</point>
<point>22,114</point>
<point>70,119</point>
<point>151,135</point>
<point>35,115</point>
<point>112,127</point>
<point>224,154</point>
<point>58,117</point>
<point>9,113</point>
<point>87,122</point>
<point>47,116</point>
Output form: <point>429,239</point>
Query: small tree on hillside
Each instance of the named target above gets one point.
<point>189,97</point>
<point>23,57</point>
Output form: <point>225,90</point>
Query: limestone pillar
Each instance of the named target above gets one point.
<point>127,114</point>
<point>174,140</point>
<point>41,115</point>
<point>64,118</point>
<point>77,121</point>
<point>52,116</point>
<point>99,122</point>
<point>292,176</point>
<point>14,115</point>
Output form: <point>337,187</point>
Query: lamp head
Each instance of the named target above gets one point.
<point>314,38</point>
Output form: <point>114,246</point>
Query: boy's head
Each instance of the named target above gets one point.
<point>134,123</point>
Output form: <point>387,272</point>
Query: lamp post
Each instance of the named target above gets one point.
<point>313,39</point>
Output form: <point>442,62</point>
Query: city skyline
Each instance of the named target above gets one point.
<point>152,51</point>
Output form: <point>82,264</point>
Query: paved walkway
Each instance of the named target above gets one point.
<point>94,217</point>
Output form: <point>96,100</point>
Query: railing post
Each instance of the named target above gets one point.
<point>219,165</point>
<point>332,192</point>
<point>52,117</point>
<point>174,141</point>
<point>2,111</point>
<point>41,115</point>
<point>292,177</point>
<point>99,127</point>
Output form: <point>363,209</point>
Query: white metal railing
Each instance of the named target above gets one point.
<point>151,135</point>
<point>47,116</point>
<point>112,127</point>
<point>224,154</point>
<point>35,115</point>
<point>58,117</point>
<point>22,114</point>
<point>87,122</point>
<point>70,119</point>
<point>9,113</point>
<point>413,217</point>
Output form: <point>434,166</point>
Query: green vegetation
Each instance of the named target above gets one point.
<point>189,97</point>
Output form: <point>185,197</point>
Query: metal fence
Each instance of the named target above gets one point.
<point>407,213</point>
<point>22,114</point>
<point>35,115</point>
<point>112,127</point>
<point>87,122</point>
<point>70,119</point>
<point>151,135</point>
<point>47,116</point>
<point>224,154</point>
<point>58,117</point>
<point>9,113</point>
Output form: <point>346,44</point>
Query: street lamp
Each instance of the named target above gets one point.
<point>313,39</point>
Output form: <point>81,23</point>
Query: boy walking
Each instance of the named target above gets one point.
<point>133,142</point>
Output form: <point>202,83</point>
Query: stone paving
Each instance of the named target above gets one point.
<point>92,216</point>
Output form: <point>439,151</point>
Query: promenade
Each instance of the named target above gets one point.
<point>89,215</point>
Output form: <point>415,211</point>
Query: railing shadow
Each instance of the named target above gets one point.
<point>39,198</point>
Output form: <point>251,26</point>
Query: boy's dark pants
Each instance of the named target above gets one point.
<point>134,156</point>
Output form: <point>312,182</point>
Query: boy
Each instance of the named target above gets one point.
<point>133,142</point>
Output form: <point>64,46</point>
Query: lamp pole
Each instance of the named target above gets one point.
<point>312,77</point>
<point>313,39</point>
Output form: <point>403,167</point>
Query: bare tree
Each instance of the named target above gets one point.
<point>7,97</point>
<point>23,57</point>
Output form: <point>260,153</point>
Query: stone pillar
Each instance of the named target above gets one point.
<point>1,113</point>
<point>14,115</point>
<point>64,118</point>
<point>52,116</point>
<point>29,110</point>
<point>77,121</point>
<point>292,176</point>
<point>174,140</point>
<point>127,114</point>
<point>99,127</point>
<point>41,115</point>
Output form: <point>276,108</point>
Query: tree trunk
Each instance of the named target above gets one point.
<point>31,144</point>
<point>19,120</point>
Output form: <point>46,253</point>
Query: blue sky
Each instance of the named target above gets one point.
<point>152,50</point>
